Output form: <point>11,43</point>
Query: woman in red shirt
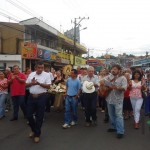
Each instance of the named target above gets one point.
<point>3,94</point>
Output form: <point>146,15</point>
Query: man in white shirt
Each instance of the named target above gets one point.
<point>38,83</point>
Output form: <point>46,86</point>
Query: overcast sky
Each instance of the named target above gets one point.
<point>123,26</point>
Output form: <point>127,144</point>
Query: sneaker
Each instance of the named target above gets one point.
<point>31,134</point>
<point>65,126</point>
<point>73,123</point>
<point>37,139</point>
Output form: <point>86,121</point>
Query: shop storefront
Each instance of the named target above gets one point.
<point>48,55</point>
<point>62,59</point>
<point>31,53</point>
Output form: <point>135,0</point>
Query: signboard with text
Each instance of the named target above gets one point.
<point>79,61</point>
<point>28,50</point>
<point>45,54</point>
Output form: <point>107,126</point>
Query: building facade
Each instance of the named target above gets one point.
<point>35,40</point>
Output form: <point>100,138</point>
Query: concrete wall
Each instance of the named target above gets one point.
<point>11,38</point>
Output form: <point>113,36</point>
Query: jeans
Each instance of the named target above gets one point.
<point>2,104</point>
<point>36,106</point>
<point>18,101</point>
<point>136,105</point>
<point>8,101</point>
<point>147,105</point>
<point>116,117</point>
<point>71,106</point>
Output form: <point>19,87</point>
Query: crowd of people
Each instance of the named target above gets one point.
<point>119,93</point>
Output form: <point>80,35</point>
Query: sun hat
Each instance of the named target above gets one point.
<point>88,87</point>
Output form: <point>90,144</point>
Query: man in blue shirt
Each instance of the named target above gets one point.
<point>71,101</point>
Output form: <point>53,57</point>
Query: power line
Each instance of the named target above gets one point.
<point>10,14</point>
<point>35,13</point>
<point>9,17</point>
<point>20,7</point>
<point>12,18</point>
<point>25,9</point>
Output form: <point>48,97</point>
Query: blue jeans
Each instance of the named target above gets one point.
<point>71,105</point>
<point>18,101</point>
<point>36,106</point>
<point>116,117</point>
<point>2,104</point>
<point>147,105</point>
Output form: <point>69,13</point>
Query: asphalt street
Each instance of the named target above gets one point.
<point>14,135</point>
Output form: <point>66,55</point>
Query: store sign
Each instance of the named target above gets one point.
<point>46,54</point>
<point>28,50</point>
<point>79,61</point>
<point>43,54</point>
<point>63,55</point>
<point>53,56</point>
<point>63,58</point>
<point>65,61</point>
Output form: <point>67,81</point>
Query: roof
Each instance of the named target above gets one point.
<point>36,21</point>
<point>39,22</point>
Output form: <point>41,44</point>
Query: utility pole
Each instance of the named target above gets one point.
<point>76,24</point>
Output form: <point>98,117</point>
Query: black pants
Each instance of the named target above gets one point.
<point>18,101</point>
<point>102,102</point>
<point>48,102</point>
<point>37,106</point>
<point>90,100</point>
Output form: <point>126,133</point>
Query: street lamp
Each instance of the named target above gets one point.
<point>76,24</point>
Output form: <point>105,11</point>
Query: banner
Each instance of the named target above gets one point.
<point>79,61</point>
<point>63,58</point>
<point>28,50</point>
<point>63,55</point>
<point>43,54</point>
<point>46,54</point>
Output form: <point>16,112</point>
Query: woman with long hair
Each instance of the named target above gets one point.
<point>3,94</point>
<point>58,79</point>
<point>137,85</point>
